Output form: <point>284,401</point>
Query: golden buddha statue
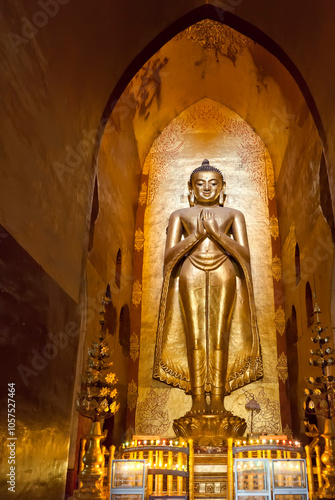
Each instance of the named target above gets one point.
<point>207,339</point>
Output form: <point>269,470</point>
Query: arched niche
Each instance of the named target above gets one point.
<point>250,83</point>
<point>208,129</point>
<point>118,268</point>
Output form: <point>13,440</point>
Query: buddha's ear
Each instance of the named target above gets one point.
<point>190,186</point>
<point>222,197</point>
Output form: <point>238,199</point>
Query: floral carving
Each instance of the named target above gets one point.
<point>152,415</point>
<point>212,35</point>
<point>276,268</point>
<point>137,293</point>
<point>288,432</point>
<point>274,227</point>
<point>282,367</point>
<point>132,395</point>
<point>139,240</point>
<point>206,116</point>
<point>280,320</point>
<point>143,194</point>
<point>134,346</point>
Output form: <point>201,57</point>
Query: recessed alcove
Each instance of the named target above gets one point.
<point>210,73</point>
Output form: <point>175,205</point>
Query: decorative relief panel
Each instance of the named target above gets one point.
<point>288,432</point>
<point>139,240</point>
<point>152,415</point>
<point>269,175</point>
<point>282,367</point>
<point>129,433</point>
<point>280,320</point>
<point>276,268</point>
<point>212,35</point>
<point>207,116</point>
<point>253,155</point>
<point>137,293</point>
<point>267,421</point>
<point>143,194</point>
<point>134,346</point>
<point>132,395</point>
<point>209,488</point>
<point>274,227</point>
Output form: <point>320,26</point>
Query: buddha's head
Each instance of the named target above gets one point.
<point>206,185</point>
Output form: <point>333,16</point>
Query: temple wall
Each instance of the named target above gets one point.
<point>301,221</point>
<point>40,330</point>
<point>114,228</point>
<point>58,71</point>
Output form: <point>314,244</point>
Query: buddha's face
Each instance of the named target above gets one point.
<point>207,187</point>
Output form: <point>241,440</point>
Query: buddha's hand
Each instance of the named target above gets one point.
<point>201,231</point>
<point>211,224</point>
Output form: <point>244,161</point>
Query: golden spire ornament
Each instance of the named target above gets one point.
<point>96,400</point>
<point>320,401</point>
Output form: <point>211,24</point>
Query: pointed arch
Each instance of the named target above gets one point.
<point>230,19</point>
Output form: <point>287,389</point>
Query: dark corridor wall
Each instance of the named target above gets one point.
<point>39,332</point>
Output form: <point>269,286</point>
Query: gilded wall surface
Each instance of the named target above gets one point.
<point>56,80</point>
<point>40,330</point>
<point>118,181</point>
<point>207,130</point>
<point>302,222</point>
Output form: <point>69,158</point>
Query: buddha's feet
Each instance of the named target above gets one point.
<point>216,405</point>
<point>198,405</point>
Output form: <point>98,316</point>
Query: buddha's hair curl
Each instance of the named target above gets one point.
<point>206,167</point>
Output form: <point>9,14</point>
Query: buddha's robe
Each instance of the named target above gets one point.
<point>200,278</point>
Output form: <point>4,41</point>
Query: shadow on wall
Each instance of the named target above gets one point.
<point>124,330</point>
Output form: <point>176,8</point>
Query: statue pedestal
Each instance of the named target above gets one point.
<point>209,429</point>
